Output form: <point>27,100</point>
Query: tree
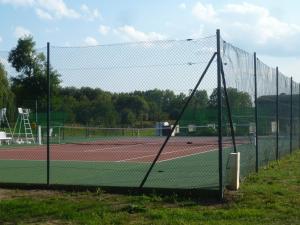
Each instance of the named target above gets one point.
<point>136,104</point>
<point>237,99</point>
<point>127,117</point>
<point>199,101</point>
<point>6,95</point>
<point>103,110</point>
<point>32,78</point>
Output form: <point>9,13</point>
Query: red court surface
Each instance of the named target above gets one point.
<point>141,150</point>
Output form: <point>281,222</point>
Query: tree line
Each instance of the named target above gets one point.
<point>95,106</point>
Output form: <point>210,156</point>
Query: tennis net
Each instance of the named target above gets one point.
<point>186,135</point>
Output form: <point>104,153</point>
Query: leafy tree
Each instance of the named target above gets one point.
<point>200,99</point>
<point>136,104</point>
<point>32,79</point>
<point>103,111</point>
<point>176,105</point>
<point>237,99</point>
<point>6,95</point>
<point>198,102</point>
<point>127,117</point>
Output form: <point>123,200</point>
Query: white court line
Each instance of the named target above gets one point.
<point>178,157</point>
<point>72,151</point>
<point>119,161</point>
<point>116,147</point>
<point>69,160</point>
<point>164,153</point>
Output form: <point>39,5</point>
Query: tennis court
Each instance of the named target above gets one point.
<point>119,161</point>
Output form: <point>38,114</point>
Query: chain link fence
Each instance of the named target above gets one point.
<point>156,114</point>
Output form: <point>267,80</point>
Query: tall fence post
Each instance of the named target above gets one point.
<point>277,112</point>
<point>219,90</point>
<point>298,117</point>
<point>256,115</point>
<point>48,113</point>
<point>291,117</point>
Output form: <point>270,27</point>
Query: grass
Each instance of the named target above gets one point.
<point>271,197</point>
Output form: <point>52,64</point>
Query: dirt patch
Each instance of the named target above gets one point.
<point>15,193</point>
<point>5,194</point>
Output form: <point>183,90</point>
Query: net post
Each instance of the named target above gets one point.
<point>291,117</point>
<point>219,92</point>
<point>277,112</point>
<point>48,113</point>
<point>256,113</point>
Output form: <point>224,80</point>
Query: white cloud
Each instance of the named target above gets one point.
<point>90,41</point>
<point>246,8</point>
<point>251,26</point>
<point>131,34</point>
<point>21,32</point>
<point>88,13</point>
<point>47,9</point>
<point>18,2</point>
<point>104,29</point>
<point>204,12</point>
<point>182,6</point>
<point>256,19</point>
<point>57,8</point>
<point>1,39</point>
<point>43,14</point>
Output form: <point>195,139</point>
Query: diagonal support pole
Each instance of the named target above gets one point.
<point>48,113</point>
<point>256,112</point>
<point>228,108</point>
<point>277,115</point>
<point>291,117</point>
<point>177,121</point>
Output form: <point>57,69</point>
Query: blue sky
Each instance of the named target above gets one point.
<point>269,27</point>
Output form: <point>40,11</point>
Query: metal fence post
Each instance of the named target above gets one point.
<point>291,117</point>
<point>298,117</point>
<point>219,90</point>
<point>256,115</point>
<point>48,113</point>
<point>277,112</point>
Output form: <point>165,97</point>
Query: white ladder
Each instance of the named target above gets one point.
<point>28,131</point>
<point>23,118</point>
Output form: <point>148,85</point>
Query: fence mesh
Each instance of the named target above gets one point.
<point>266,107</point>
<point>284,114</point>
<point>238,71</point>
<point>129,91</point>
<point>295,116</point>
<point>132,115</point>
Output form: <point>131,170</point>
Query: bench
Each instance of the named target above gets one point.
<point>4,138</point>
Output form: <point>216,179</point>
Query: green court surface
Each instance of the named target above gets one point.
<point>199,170</point>
<point>194,171</point>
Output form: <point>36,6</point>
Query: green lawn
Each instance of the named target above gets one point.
<point>271,197</point>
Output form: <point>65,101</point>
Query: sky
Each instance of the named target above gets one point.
<point>271,28</point>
